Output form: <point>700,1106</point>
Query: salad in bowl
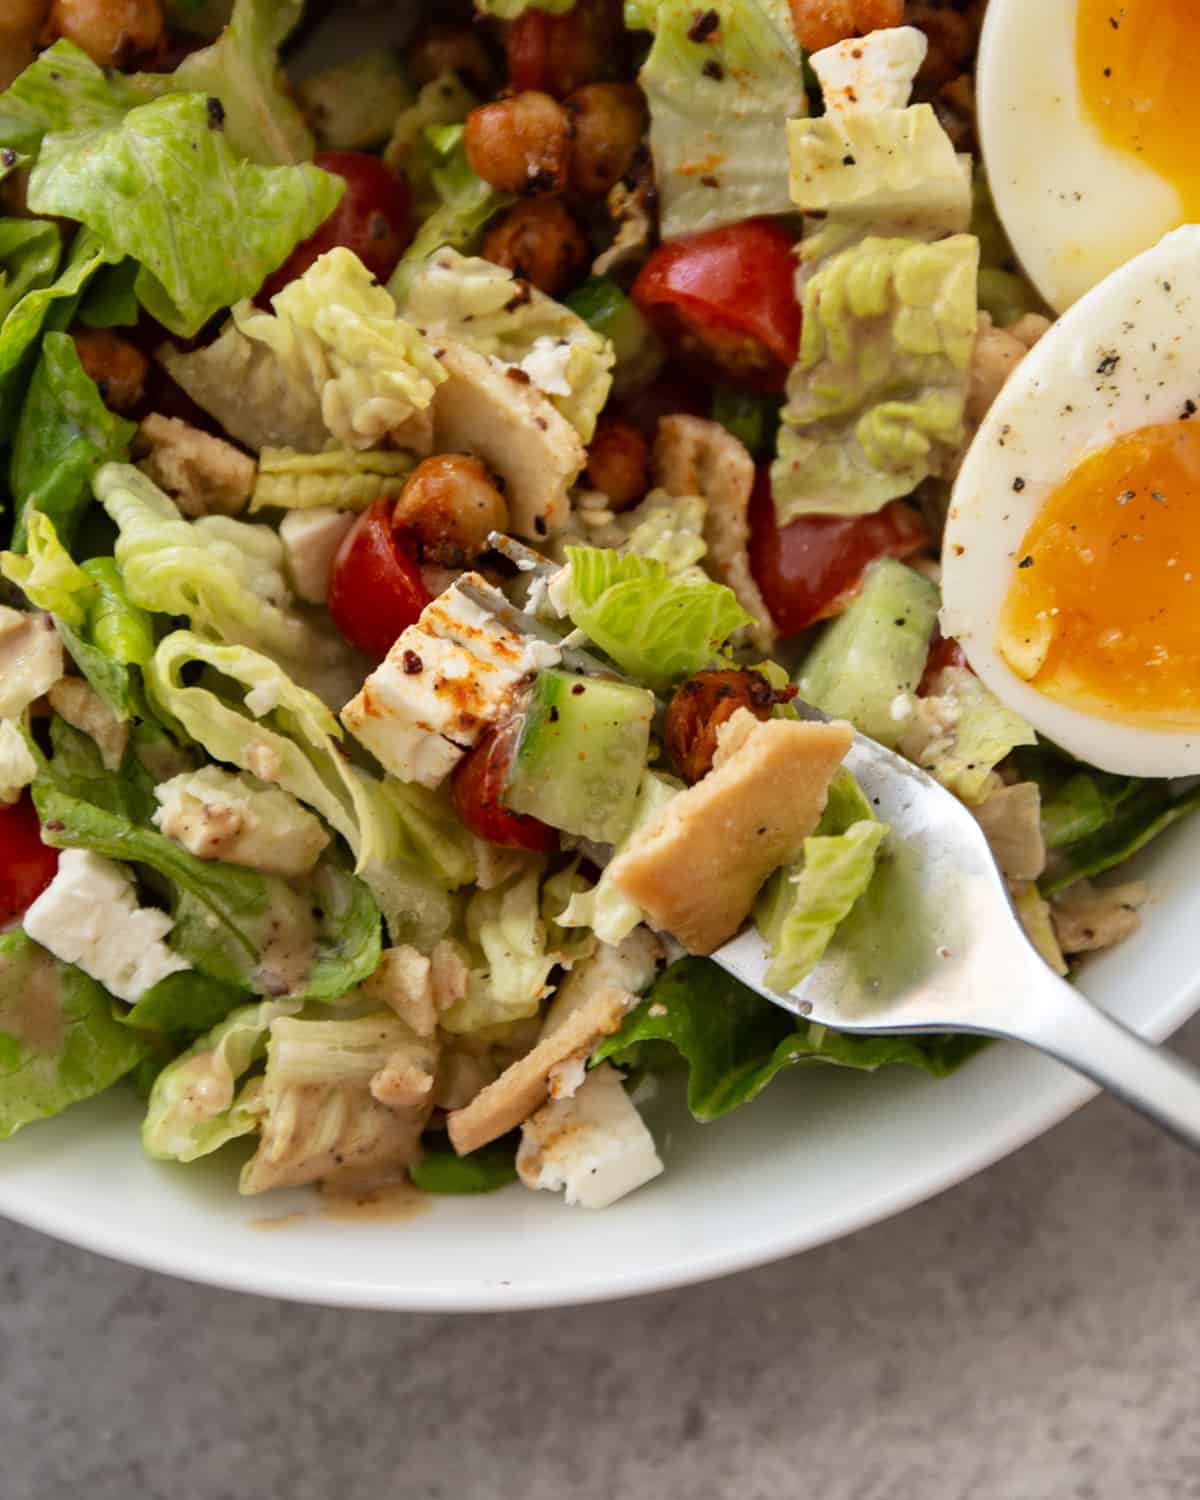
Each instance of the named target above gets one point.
<point>432,485</point>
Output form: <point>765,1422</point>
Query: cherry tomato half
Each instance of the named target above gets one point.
<point>27,866</point>
<point>812,568</point>
<point>555,54</point>
<point>478,783</point>
<point>374,219</point>
<point>375,585</point>
<point>725,300</point>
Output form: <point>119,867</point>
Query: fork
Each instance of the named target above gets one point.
<point>935,945</point>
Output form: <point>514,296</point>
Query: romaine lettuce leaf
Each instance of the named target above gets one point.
<point>48,575</point>
<point>654,626</point>
<point>427,137</point>
<point>116,637</point>
<point>475,302</point>
<point>342,477</point>
<point>163,185</point>
<point>30,251</point>
<point>441,1170</point>
<point>803,904</point>
<point>195,1106</point>
<point>734,1042</point>
<point>1128,825</point>
<point>111,301</point>
<point>65,432</point>
<point>464,203</point>
<point>62,90</point>
<point>719,104</point>
<point>668,528</point>
<point>891,171</point>
<point>59,1042</point>
<point>961,732</point>
<point>875,401</point>
<point>514,960</point>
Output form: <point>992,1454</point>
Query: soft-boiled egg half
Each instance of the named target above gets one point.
<point>1089,115</point>
<point>1071,560</point>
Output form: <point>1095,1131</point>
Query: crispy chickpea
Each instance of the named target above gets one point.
<point>540,241</point>
<point>20,25</point>
<point>618,463</point>
<point>520,145</point>
<point>449,504</point>
<point>607,120</point>
<point>700,706</point>
<point>820,23</point>
<point>452,49</point>
<point>113,33</point>
<point>118,367</point>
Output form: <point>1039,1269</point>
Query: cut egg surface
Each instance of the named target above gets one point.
<point>1088,118</point>
<point>1071,560</point>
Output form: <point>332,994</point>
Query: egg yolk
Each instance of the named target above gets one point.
<point>1139,78</point>
<point>1103,611</point>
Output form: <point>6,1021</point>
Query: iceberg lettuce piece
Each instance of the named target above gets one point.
<point>894,171</point>
<point>719,103</point>
<point>803,904</point>
<point>961,731</point>
<point>481,305</point>
<point>460,203</point>
<point>654,626</point>
<point>59,1040</point>
<point>30,251</point>
<point>161,185</point>
<point>343,477</point>
<point>195,1105</point>
<point>64,433</point>
<point>875,400</point>
<point>61,90</point>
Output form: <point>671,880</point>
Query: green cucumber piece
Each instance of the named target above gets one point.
<point>874,653</point>
<point>604,307</point>
<point>581,754</point>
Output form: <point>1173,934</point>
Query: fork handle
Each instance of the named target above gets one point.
<point>1061,1021</point>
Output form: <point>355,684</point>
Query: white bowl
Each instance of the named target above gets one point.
<point>821,1153</point>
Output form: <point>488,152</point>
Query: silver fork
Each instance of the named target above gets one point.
<point>935,945</point>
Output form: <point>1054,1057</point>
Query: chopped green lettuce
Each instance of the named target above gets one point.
<point>734,1042</point>
<point>480,304</point>
<point>514,961</point>
<point>111,300</point>
<point>961,732</point>
<point>803,904</point>
<point>718,109</point>
<point>668,528</point>
<point>61,90</point>
<point>30,251</point>
<point>441,1170</point>
<point>343,477</point>
<point>195,1104</point>
<point>891,171</point>
<point>875,401</point>
<point>47,574</point>
<point>509,10</point>
<point>163,185</point>
<point>354,104</point>
<point>654,626</point>
<point>65,432</point>
<point>116,638</point>
<point>59,1042</point>
<point>420,144</point>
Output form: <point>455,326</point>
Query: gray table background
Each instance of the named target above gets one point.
<point>1033,1334</point>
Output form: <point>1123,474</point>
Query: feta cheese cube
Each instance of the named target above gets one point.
<point>310,540</point>
<point>216,814</point>
<point>445,680</point>
<point>865,74</point>
<point>593,1144</point>
<point>89,915</point>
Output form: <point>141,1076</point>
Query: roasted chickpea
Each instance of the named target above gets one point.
<point>618,463</point>
<point>700,706</point>
<point>540,241</point>
<point>449,505</point>
<point>607,120</point>
<point>520,145</point>
<point>20,24</point>
<point>113,33</point>
<point>950,43</point>
<point>452,49</point>
<point>118,367</point>
<point>820,23</point>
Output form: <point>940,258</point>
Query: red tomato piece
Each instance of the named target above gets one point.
<point>478,784</point>
<point>374,219</point>
<point>375,585</point>
<point>812,568</point>
<point>27,865</point>
<point>725,300</point>
<point>556,54</point>
<point>944,651</point>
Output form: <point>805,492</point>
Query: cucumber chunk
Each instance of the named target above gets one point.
<point>581,754</point>
<point>870,658</point>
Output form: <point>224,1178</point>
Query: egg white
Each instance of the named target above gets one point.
<point>1125,356</point>
<point>1074,207</point>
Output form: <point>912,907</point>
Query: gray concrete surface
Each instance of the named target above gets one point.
<point>1031,1335</point>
